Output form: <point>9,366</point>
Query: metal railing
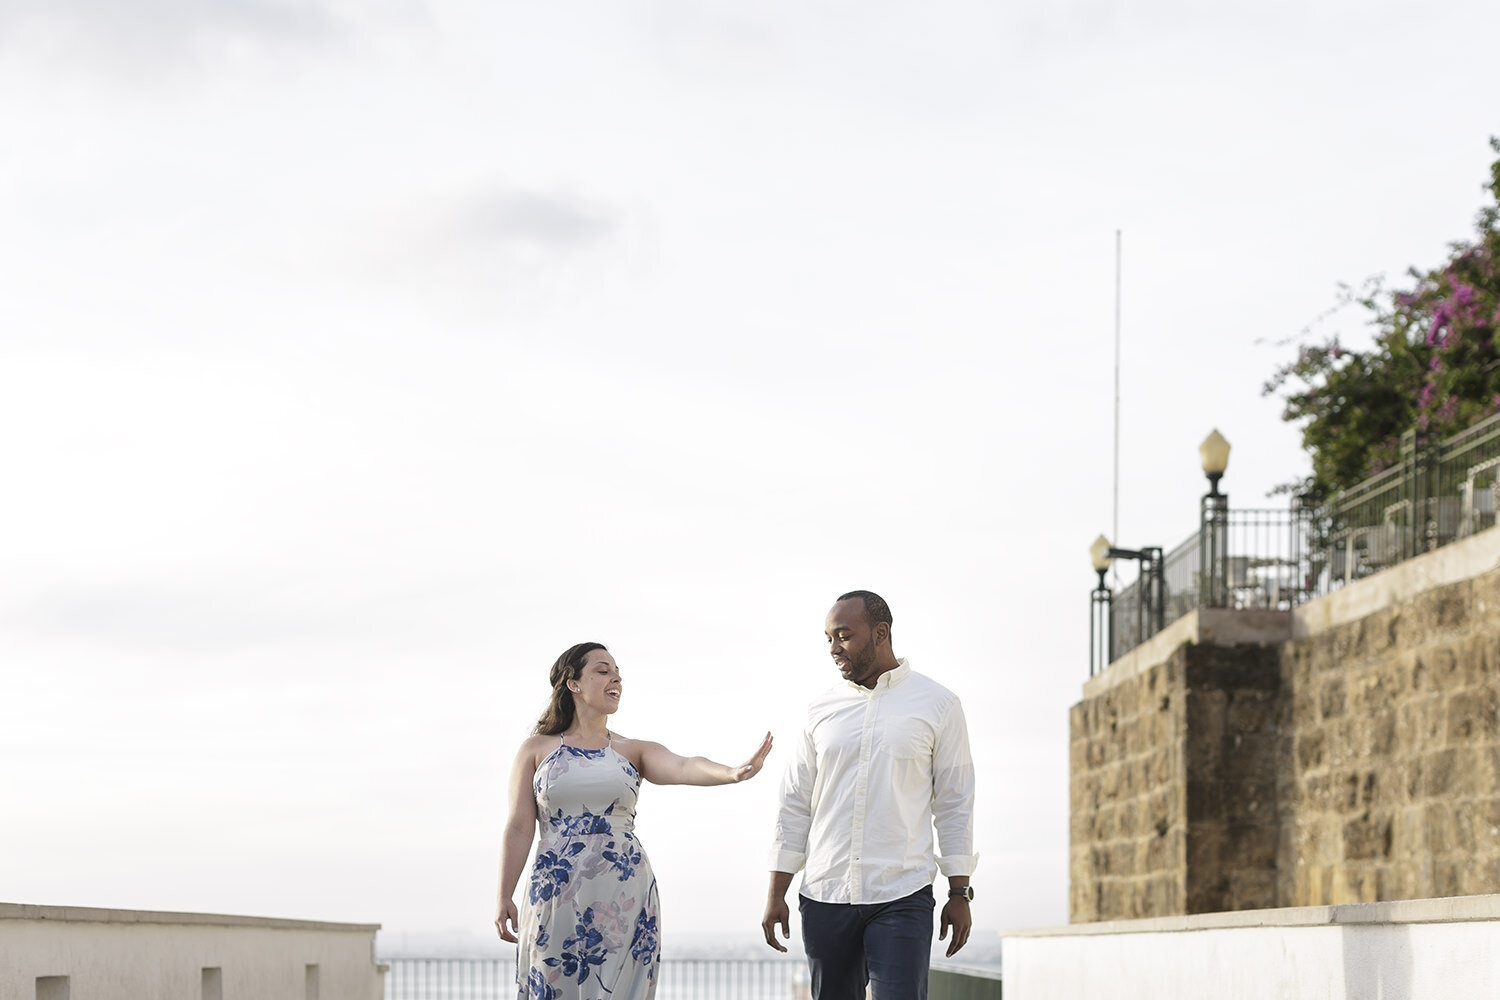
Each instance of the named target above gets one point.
<point>681,979</point>
<point>1436,493</point>
<point>953,983</point>
<point>1251,563</point>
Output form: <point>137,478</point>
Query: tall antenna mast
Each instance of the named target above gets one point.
<point>1115,525</point>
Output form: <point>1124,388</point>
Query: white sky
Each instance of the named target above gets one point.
<point>359,358</point>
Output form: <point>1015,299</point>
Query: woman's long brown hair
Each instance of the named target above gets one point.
<point>569,667</point>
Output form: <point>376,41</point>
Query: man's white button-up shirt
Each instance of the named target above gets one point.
<point>874,773</point>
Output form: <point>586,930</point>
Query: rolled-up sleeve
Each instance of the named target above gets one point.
<point>794,820</point>
<point>953,795</point>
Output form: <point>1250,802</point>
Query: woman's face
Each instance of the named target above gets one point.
<point>598,686</point>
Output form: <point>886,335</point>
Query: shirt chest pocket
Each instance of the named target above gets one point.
<point>904,739</point>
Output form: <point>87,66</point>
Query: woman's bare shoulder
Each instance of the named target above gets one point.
<point>535,747</point>
<point>629,747</point>
<point>620,740</point>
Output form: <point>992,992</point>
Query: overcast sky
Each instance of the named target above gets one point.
<point>360,357</point>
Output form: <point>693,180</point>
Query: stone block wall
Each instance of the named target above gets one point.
<point>1233,696</point>
<point>1357,764</point>
<point>1128,839</point>
<point>1391,776</point>
<point>1173,788</point>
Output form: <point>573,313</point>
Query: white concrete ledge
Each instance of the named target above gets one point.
<point>86,953</point>
<point>1219,626</point>
<point>1453,563</point>
<point>90,914</point>
<point>1407,911</point>
<point>1421,949</point>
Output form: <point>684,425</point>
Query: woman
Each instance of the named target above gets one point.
<point>589,927</point>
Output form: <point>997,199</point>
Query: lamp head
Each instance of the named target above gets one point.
<point>1214,453</point>
<point>1099,552</point>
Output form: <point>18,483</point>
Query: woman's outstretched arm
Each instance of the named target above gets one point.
<point>661,766</point>
<point>520,828</point>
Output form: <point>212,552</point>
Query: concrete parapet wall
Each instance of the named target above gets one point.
<point>1415,950</point>
<point>77,953</point>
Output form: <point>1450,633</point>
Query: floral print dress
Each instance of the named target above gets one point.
<point>589,919</point>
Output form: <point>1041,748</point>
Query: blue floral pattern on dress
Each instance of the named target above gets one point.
<point>644,946</point>
<point>552,872</point>
<point>585,948</point>
<point>589,930</point>
<point>585,824</point>
<point>537,988</point>
<point>626,858</point>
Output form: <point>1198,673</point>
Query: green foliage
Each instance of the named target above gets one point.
<point>1434,366</point>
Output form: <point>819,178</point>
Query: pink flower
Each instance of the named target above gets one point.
<point>1441,317</point>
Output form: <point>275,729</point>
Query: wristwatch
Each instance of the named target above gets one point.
<point>967,892</point>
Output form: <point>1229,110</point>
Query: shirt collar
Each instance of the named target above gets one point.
<point>889,679</point>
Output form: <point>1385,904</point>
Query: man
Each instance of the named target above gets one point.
<point>884,758</point>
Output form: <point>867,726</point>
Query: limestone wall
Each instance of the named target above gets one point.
<point>1351,753</point>
<point>1232,754</point>
<point>1128,775</point>
<point>1391,783</point>
<point>1173,788</point>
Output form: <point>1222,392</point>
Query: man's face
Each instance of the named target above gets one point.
<point>851,642</point>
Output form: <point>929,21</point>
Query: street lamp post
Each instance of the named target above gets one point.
<point>1150,602</point>
<point>1213,524</point>
<point>1101,610</point>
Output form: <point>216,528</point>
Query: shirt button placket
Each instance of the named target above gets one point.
<point>861,798</point>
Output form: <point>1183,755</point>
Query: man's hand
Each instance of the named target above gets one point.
<point>956,915</point>
<point>777,912</point>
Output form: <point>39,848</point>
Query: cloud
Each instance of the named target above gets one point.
<point>157,616</point>
<point>526,245</point>
<point>555,222</point>
<point>193,613</point>
<point>147,36</point>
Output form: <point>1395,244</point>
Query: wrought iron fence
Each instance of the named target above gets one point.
<point>1238,558</point>
<point>1435,493</point>
<point>681,979</point>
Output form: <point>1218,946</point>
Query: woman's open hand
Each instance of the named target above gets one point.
<point>752,767</point>
<point>506,921</point>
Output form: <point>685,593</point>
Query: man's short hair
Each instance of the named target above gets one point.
<point>876,610</point>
